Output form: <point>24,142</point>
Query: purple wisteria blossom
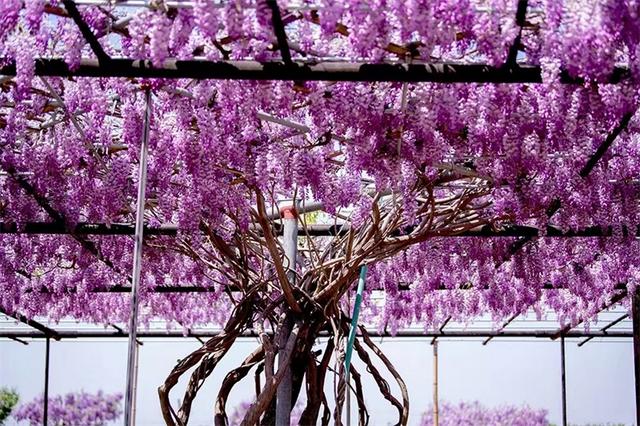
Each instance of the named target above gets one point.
<point>476,414</point>
<point>79,408</point>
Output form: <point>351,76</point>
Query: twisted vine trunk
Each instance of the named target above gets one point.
<point>308,367</point>
<point>290,307</point>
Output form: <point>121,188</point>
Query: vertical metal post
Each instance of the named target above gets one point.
<point>564,382</point>
<point>635,313</point>
<point>129,419</point>
<point>348,390</point>
<point>135,384</point>
<point>354,318</point>
<point>45,415</point>
<point>352,337</point>
<point>436,411</point>
<point>290,243</point>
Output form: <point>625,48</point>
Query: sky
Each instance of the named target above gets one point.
<point>599,375</point>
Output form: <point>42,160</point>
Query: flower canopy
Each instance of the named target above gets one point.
<point>481,157</point>
<point>559,151</point>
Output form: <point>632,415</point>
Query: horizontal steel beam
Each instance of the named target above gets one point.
<point>211,289</point>
<point>312,230</point>
<point>540,334</point>
<point>606,327</point>
<point>41,328</point>
<point>301,71</point>
<point>58,228</point>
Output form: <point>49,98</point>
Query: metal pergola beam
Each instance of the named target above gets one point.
<point>584,173</point>
<point>201,69</point>
<point>502,327</point>
<point>617,298</point>
<point>441,329</point>
<point>540,334</point>
<point>521,13</point>
<point>60,228</point>
<point>88,35</point>
<point>42,329</point>
<point>605,328</point>
<point>84,228</point>
<point>605,145</point>
<point>279,32</point>
<point>212,289</point>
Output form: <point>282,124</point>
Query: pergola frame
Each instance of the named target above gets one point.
<point>119,334</point>
<point>293,70</point>
<point>56,228</point>
<point>43,332</point>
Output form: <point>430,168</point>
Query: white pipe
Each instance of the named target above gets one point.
<point>290,243</point>
<point>137,265</point>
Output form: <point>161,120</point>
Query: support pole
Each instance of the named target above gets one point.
<point>352,337</point>
<point>135,383</point>
<point>564,382</point>
<point>354,318</point>
<point>290,244</point>
<point>635,313</point>
<point>436,411</point>
<point>45,415</point>
<point>129,419</point>
<point>348,390</point>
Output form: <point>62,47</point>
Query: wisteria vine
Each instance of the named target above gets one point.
<point>402,168</point>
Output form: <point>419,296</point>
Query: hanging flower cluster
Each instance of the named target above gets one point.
<point>69,152</point>
<point>79,408</point>
<point>474,413</point>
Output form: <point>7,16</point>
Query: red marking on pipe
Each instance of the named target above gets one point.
<point>288,212</point>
